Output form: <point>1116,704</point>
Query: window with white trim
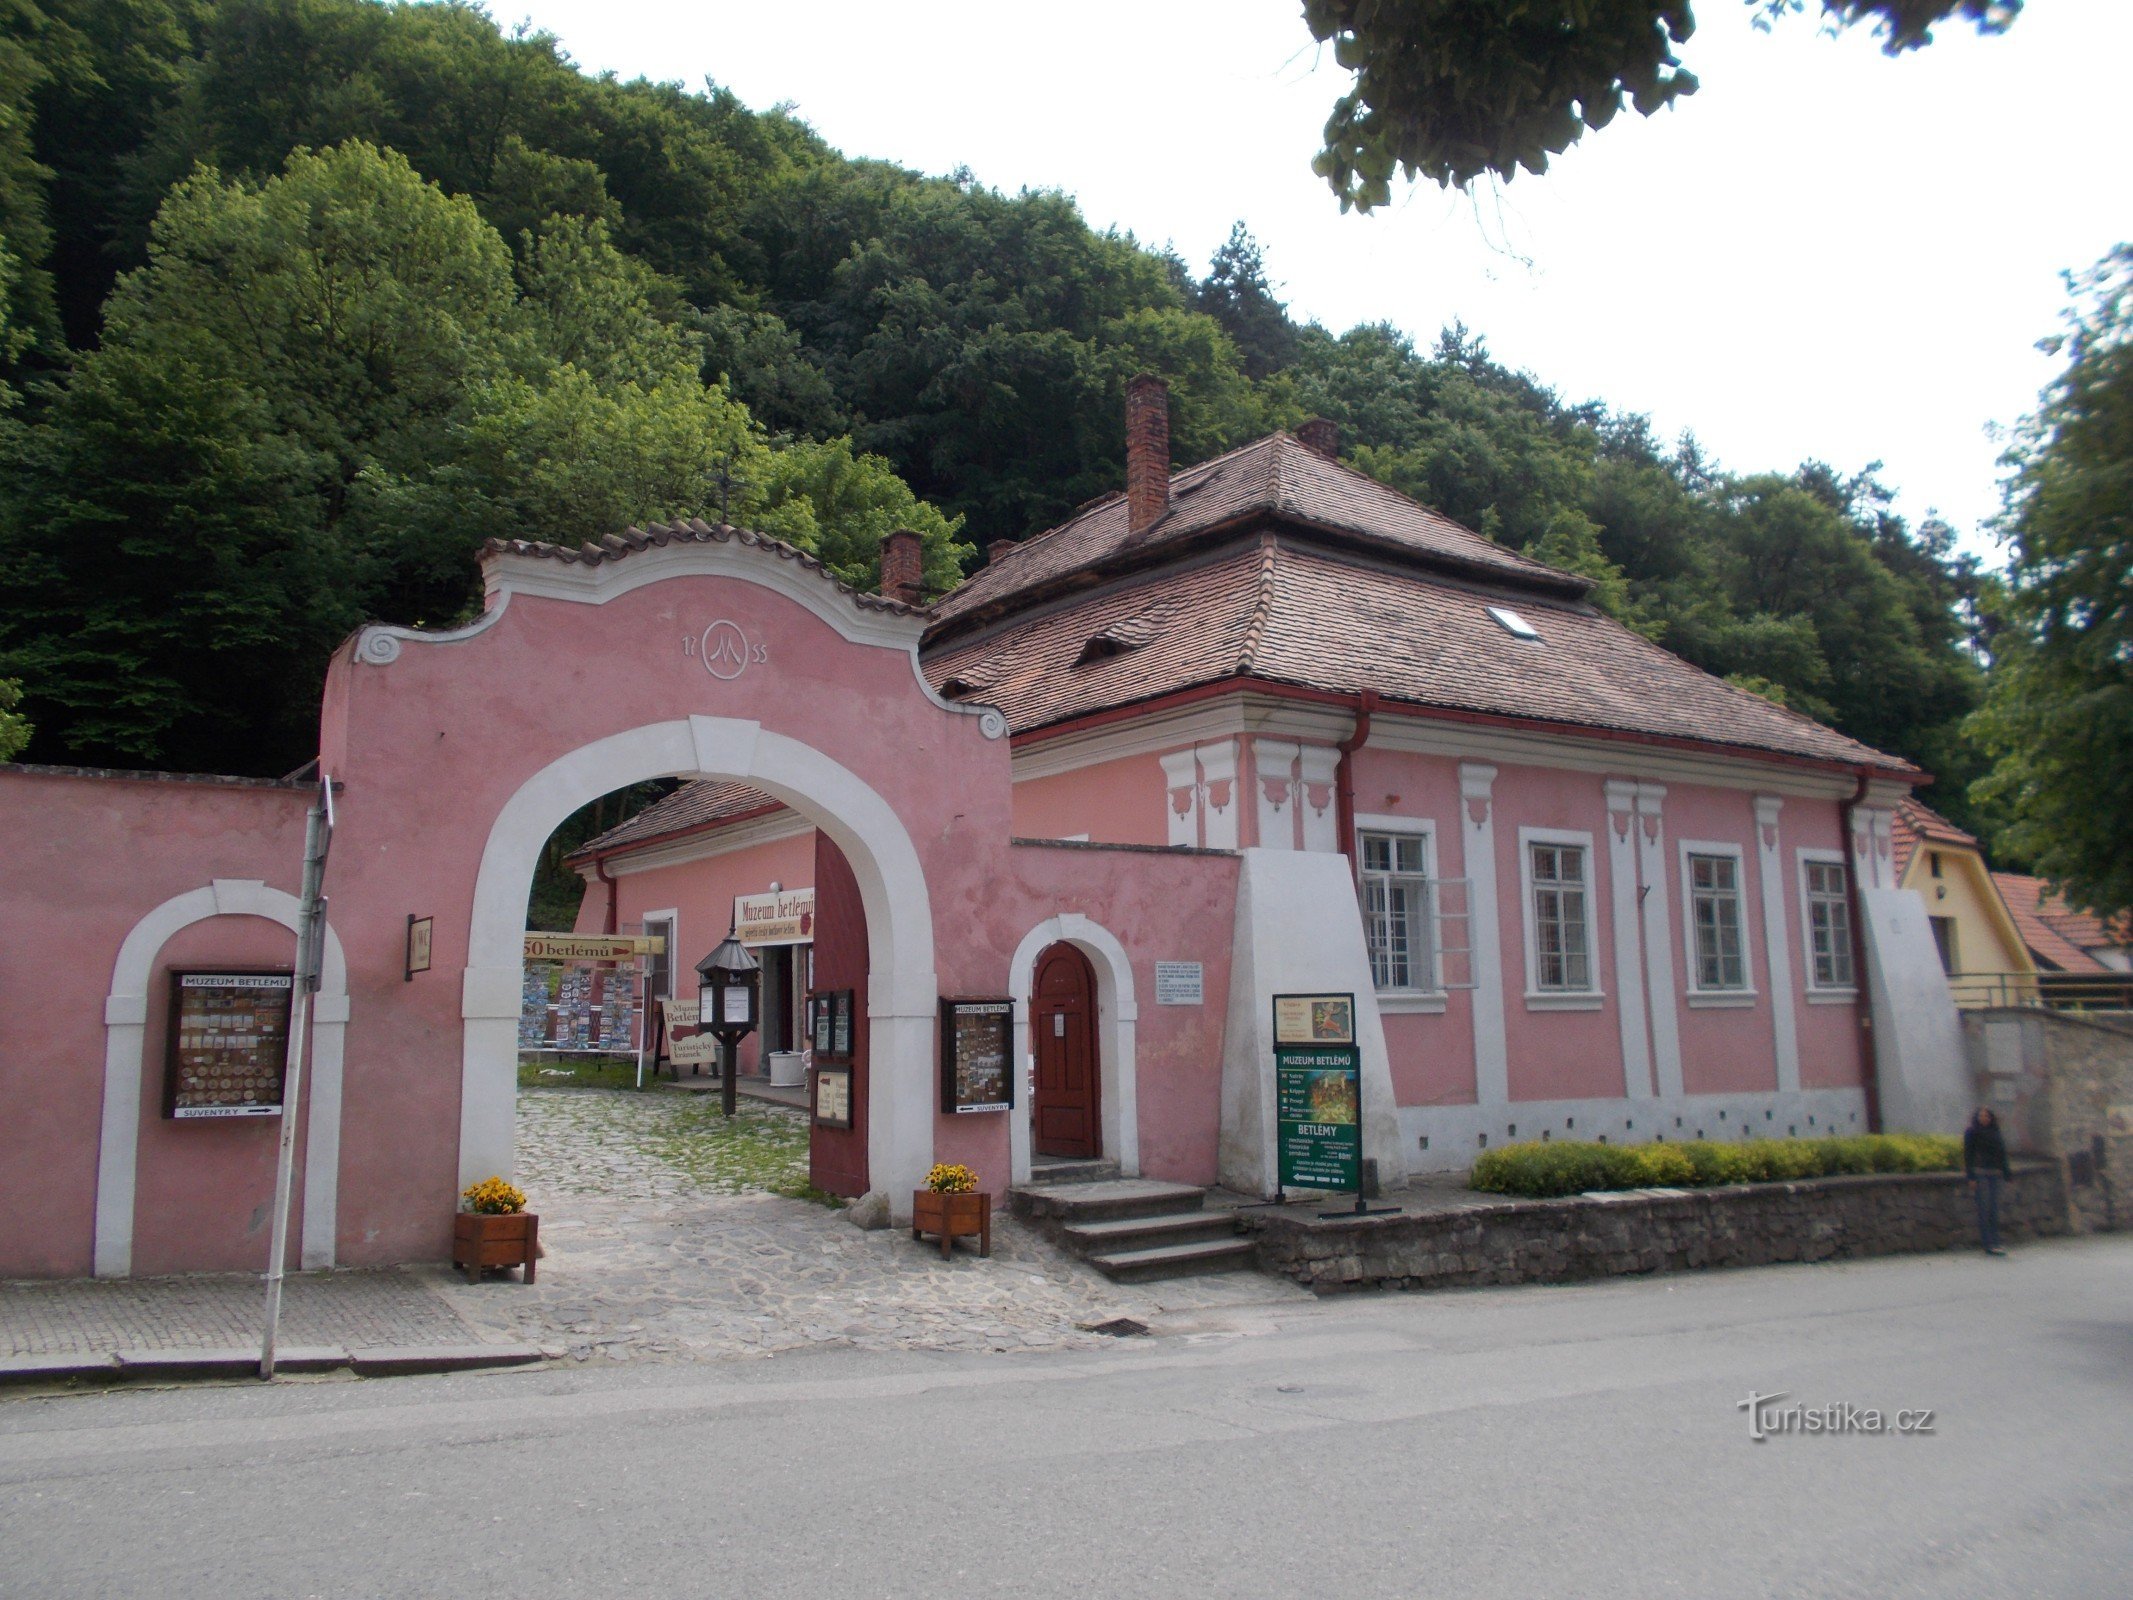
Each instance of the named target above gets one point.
<point>1829,925</point>
<point>1393,881</point>
<point>1715,922</point>
<point>1561,912</point>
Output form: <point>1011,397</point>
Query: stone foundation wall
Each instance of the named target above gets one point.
<point>2062,1082</point>
<point>1557,1241</point>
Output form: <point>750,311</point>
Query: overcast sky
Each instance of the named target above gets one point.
<point>1825,253</point>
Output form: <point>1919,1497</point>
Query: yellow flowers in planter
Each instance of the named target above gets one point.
<point>495,1197</point>
<point>951,1177</point>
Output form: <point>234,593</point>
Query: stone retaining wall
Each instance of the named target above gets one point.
<point>1556,1241</point>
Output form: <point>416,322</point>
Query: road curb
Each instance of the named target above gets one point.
<point>395,1361</point>
<point>226,1362</point>
<point>58,1369</point>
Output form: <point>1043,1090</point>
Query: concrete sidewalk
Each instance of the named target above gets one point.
<point>209,1326</point>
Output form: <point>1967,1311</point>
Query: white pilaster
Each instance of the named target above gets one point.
<point>1274,786</point>
<point>1316,797</point>
<point>1181,790</point>
<point>1477,832</point>
<point>1872,849</point>
<point>1784,1022</point>
<point>1629,942</point>
<point>1658,940</point>
<point>1218,794</point>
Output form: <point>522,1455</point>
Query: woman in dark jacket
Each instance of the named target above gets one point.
<point>1985,1162</point>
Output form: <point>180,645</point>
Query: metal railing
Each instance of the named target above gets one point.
<point>2052,991</point>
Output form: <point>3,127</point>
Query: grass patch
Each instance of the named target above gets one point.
<point>1545,1170</point>
<point>760,1148</point>
<point>578,1072</point>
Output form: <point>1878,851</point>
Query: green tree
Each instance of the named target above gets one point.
<point>2059,718</point>
<point>310,406</point>
<point>14,727</point>
<point>1449,90</point>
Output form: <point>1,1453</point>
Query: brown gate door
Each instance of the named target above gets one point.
<point>1063,1019</point>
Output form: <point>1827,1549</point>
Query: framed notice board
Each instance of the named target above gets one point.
<point>229,1043</point>
<point>829,1024</point>
<point>977,1043</point>
<point>833,1097</point>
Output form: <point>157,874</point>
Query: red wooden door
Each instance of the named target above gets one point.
<point>1063,1119</point>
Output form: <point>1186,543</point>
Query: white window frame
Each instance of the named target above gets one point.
<point>672,918</point>
<point>1744,993</point>
<point>1821,994</point>
<point>1399,1001</point>
<point>1537,998</point>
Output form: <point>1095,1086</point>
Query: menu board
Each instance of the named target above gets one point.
<point>977,1041</point>
<point>833,1097</point>
<point>229,1044</point>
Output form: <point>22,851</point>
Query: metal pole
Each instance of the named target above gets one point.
<point>310,943</point>
<point>728,1091</point>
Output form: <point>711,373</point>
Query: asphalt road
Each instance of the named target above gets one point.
<point>1580,1441</point>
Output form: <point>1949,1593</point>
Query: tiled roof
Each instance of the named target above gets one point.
<point>1268,609</point>
<point>2057,934</point>
<point>690,530</point>
<point>693,805</point>
<point>1276,476</point>
<point>1914,823</point>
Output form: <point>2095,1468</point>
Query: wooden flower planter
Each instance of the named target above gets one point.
<point>952,1217</point>
<point>480,1241</point>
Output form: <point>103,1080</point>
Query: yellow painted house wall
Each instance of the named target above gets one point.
<point>1986,940</point>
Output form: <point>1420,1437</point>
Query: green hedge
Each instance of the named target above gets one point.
<point>1543,1170</point>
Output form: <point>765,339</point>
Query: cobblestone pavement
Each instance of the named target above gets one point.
<point>94,1316</point>
<point>643,1263</point>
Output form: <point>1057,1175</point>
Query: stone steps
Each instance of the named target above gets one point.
<point>1136,1229</point>
<point>1054,1172</point>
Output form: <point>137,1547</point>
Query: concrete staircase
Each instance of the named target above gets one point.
<point>1132,1229</point>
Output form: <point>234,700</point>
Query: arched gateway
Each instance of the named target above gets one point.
<point>691,651</point>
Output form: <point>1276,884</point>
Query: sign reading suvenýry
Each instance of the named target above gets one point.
<point>786,917</point>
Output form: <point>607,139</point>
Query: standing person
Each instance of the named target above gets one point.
<point>1985,1163</point>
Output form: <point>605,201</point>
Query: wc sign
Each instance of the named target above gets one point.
<point>725,650</point>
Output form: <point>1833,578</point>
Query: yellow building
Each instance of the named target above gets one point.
<point>1981,947</point>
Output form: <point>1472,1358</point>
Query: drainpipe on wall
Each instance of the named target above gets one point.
<point>1867,1055</point>
<point>1366,702</point>
<point>600,868</point>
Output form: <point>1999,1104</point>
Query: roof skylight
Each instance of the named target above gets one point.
<point>1514,624</point>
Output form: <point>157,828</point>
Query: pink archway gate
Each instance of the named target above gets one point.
<point>694,651</point>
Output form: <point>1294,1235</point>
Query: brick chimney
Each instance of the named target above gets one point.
<point>999,548</point>
<point>1321,437</point>
<point>1147,451</point>
<point>902,567</point>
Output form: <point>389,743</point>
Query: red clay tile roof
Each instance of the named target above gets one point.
<point>692,806</point>
<point>1914,823</point>
<point>689,530</point>
<point>1277,476</point>
<point>1267,608</point>
<point>2057,934</point>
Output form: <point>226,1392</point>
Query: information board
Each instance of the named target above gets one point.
<point>229,1044</point>
<point>574,1008</point>
<point>1180,983</point>
<point>1318,1117</point>
<point>829,1023</point>
<point>977,1038</point>
<point>687,1044</point>
<point>833,1097</point>
<point>1314,1019</point>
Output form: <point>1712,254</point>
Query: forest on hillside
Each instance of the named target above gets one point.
<point>302,299</point>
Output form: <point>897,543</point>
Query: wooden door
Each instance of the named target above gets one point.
<point>1063,1111</point>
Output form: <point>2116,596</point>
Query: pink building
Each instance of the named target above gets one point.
<point>1259,726</point>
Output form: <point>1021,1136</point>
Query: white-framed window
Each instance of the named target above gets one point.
<point>1826,923</point>
<point>1562,955</point>
<point>659,969</point>
<point>1715,922</point>
<point>1394,881</point>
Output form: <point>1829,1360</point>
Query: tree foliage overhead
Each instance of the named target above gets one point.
<point>331,291</point>
<point>1451,89</point>
<point>2059,720</point>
